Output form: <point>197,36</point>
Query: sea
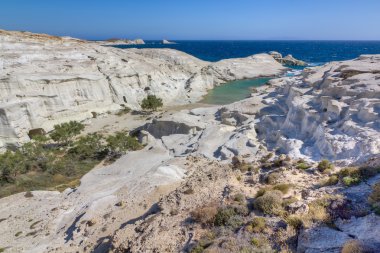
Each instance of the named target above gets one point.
<point>315,53</point>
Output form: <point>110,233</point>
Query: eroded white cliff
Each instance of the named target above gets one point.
<point>45,80</point>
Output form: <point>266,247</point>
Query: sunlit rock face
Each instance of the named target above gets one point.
<point>45,80</point>
<point>329,112</point>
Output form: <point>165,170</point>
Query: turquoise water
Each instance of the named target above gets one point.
<point>232,91</point>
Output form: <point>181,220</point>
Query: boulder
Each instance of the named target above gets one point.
<point>321,240</point>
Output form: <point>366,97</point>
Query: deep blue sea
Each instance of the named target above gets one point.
<point>313,52</point>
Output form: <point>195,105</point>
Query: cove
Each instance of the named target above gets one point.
<point>232,91</point>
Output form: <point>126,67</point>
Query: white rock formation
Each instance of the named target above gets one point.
<point>288,60</point>
<point>329,112</point>
<point>45,80</point>
<point>166,42</point>
<point>121,42</point>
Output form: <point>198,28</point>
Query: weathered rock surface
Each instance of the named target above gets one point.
<point>328,112</point>
<point>45,80</point>
<point>111,42</point>
<point>166,42</point>
<point>288,60</point>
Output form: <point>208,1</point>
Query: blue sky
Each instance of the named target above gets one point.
<point>196,19</point>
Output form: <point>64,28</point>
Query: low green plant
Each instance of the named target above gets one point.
<point>122,142</point>
<point>270,202</point>
<point>349,181</point>
<point>325,166</point>
<point>302,166</point>
<point>64,133</point>
<point>295,221</point>
<point>151,102</point>
<point>257,225</point>
<point>332,180</point>
<point>224,215</point>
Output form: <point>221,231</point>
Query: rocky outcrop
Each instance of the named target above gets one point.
<point>166,42</point>
<point>288,60</point>
<point>112,42</point>
<point>45,80</point>
<point>328,112</point>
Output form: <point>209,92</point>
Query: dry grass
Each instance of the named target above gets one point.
<point>270,202</point>
<point>354,246</point>
<point>257,225</point>
<point>205,215</point>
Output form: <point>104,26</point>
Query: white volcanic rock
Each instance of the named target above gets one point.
<point>45,80</point>
<point>287,60</point>
<point>121,42</point>
<point>329,112</point>
<point>166,42</point>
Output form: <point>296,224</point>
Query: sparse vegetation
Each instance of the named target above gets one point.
<point>349,181</point>
<point>151,103</point>
<point>374,198</point>
<point>302,165</point>
<point>332,180</point>
<point>325,166</point>
<point>257,225</point>
<point>354,246</point>
<point>270,202</point>
<point>123,111</point>
<point>284,188</point>
<point>64,133</point>
<point>205,215</point>
<point>57,161</point>
<point>273,178</point>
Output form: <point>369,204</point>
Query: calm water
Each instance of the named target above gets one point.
<point>313,52</point>
<point>233,91</point>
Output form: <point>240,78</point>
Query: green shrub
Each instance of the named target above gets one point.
<point>270,202</point>
<point>257,225</point>
<point>65,132</point>
<point>89,146</point>
<point>350,172</point>
<point>349,181</point>
<point>295,221</point>
<point>11,164</point>
<point>224,215</point>
<point>151,102</point>
<point>324,166</point>
<point>122,142</point>
<point>303,166</point>
<point>332,180</point>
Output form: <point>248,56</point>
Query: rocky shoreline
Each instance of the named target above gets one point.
<point>200,182</point>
